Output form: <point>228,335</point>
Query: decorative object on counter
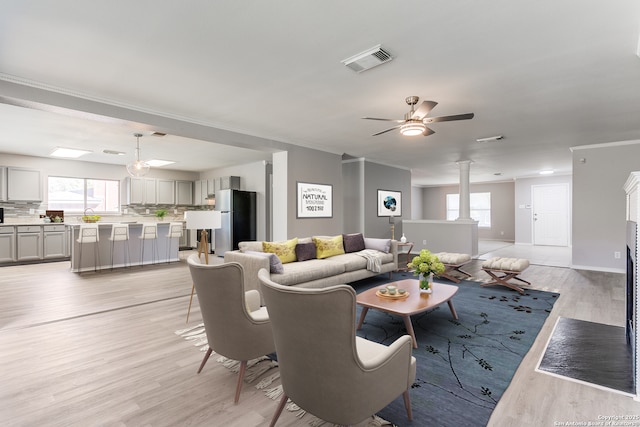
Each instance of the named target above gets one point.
<point>425,265</point>
<point>403,239</point>
<point>90,218</point>
<point>202,220</point>
<point>138,167</point>
<point>161,213</point>
<point>55,216</point>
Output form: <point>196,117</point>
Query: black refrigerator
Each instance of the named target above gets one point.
<point>238,211</point>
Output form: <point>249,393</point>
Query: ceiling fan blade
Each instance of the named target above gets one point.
<point>428,132</point>
<point>384,120</point>
<point>448,118</point>
<point>386,130</point>
<point>423,109</point>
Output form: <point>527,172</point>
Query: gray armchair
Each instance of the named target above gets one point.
<point>235,324</point>
<point>325,368</point>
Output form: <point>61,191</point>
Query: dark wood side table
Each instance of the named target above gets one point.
<point>402,255</point>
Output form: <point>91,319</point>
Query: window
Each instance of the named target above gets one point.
<point>480,207</point>
<point>79,194</point>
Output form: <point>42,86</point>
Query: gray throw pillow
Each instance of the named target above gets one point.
<point>382,245</point>
<point>275,265</point>
<point>353,242</point>
<point>305,251</point>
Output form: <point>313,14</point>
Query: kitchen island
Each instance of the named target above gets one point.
<point>167,249</point>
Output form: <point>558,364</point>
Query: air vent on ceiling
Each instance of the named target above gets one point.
<point>368,59</point>
<point>117,153</point>
<point>158,134</point>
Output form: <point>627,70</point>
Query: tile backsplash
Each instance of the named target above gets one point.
<point>29,212</point>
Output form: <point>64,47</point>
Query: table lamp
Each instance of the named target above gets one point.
<point>202,220</point>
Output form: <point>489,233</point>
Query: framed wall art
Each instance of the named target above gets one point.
<point>389,203</point>
<point>314,200</point>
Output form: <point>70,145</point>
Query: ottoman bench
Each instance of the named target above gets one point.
<point>452,263</point>
<point>503,269</point>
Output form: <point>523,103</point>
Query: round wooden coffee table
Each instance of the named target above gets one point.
<point>415,303</point>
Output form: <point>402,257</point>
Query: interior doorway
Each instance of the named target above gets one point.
<point>550,212</point>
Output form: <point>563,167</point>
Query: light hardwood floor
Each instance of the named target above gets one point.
<point>100,349</point>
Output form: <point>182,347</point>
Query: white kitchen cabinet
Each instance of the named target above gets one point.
<point>7,244</point>
<point>202,189</point>
<point>197,192</point>
<point>29,242</point>
<point>55,241</point>
<point>3,184</point>
<point>140,191</point>
<point>24,185</point>
<point>211,186</point>
<point>166,192</point>
<point>184,192</point>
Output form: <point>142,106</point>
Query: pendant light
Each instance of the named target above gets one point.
<point>139,167</point>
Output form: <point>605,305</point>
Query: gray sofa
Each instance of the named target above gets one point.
<point>312,273</point>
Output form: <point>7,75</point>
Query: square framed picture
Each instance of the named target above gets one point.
<point>314,200</point>
<point>389,203</point>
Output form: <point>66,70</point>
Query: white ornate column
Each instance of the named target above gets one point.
<point>464,213</point>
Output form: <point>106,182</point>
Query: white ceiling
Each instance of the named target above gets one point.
<point>548,75</point>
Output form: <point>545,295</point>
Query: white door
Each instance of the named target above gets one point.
<point>550,214</point>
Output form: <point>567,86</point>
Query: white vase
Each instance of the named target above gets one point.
<point>403,239</point>
<point>425,281</point>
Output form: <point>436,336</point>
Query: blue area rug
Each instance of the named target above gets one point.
<point>463,366</point>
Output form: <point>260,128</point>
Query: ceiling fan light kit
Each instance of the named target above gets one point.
<point>415,121</point>
<point>413,128</point>
<point>138,167</point>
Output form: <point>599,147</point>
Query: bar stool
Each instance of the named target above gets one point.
<point>120,233</point>
<point>89,234</point>
<point>175,232</point>
<point>149,232</point>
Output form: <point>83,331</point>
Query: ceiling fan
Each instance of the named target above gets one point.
<point>415,122</point>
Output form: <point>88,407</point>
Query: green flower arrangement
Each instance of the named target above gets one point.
<point>424,264</point>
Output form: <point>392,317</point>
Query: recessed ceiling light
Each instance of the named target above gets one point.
<point>546,172</point>
<point>490,138</point>
<point>158,163</point>
<point>69,153</point>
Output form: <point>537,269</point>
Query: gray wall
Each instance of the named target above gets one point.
<point>313,166</point>
<point>382,177</point>
<point>523,219</point>
<point>434,206</point>
<point>353,180</point>
<point>599,204</point>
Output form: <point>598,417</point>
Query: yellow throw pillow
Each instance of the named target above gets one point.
<point>326,247</point>
<point>286,251</point>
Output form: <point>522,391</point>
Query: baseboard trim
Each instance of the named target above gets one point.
<point>603,269</point>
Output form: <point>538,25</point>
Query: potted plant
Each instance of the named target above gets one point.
<point>425,265</point>
<point>161,213</point>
